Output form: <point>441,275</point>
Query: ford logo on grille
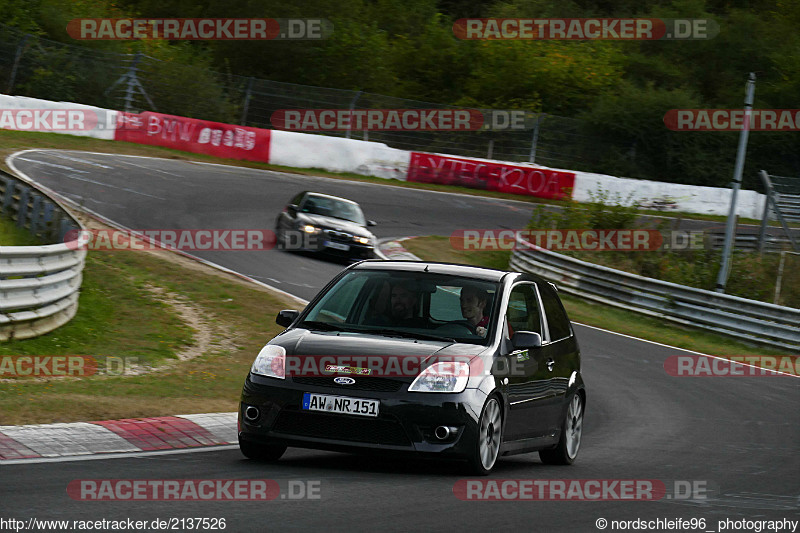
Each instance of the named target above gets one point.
<point>344,381</point>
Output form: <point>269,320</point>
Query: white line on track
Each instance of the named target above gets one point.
<point>125,455</point>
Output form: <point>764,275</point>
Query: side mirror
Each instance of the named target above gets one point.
<point>286,317</point>
<point>523,340</point>
<point>292,209</point>
<point>371,223</point>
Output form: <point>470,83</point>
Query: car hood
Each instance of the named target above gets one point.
<point>300,341</point>
<point>360,350</point>
<point>334,223</point>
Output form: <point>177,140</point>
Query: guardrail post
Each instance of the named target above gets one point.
<point>9,196</point>
<point>47,218</point>
<point>63,228</point>
<point>22,209</point>
<point>36,212</point>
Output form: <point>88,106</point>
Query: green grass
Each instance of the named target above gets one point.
<point>118,317</point>
<point>11,235</point>
<point>437,248</point>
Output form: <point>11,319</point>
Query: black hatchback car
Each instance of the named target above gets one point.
<point>323,223</point>
<point>448,360</point>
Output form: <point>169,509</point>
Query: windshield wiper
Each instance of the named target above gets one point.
<point>406,334</point>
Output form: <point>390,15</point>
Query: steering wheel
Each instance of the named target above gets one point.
<point>455,328</point>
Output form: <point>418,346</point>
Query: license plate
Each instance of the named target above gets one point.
<point>340,404</point>
<point>337,246</point>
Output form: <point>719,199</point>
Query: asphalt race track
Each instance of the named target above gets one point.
<point>735,438</point>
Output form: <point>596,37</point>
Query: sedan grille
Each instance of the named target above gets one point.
<point>341,427</point>
<point>340,236</point>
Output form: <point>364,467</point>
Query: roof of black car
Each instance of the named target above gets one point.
<point>487,274</point>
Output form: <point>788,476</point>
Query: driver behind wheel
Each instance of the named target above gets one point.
<point>474,302</point>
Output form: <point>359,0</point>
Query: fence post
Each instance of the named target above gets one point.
<point>131,82</point>
<point>535,140</point>
<point>20,50</point>
<point>762,231</point>
<point>247,94</point>
<point>491,149</point>
<point>352,106</point>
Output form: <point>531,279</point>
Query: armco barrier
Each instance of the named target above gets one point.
<point>38,284</point>
<point>744,319</point>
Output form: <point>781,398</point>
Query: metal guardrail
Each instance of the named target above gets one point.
<point>751,241</point>
<point>748,320</point>
<point>38,284</point>
<point>788,197</point>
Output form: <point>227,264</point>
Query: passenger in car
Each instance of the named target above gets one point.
<point>474,305</point>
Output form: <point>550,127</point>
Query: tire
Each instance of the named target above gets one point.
<point>261,452</point>
<point>569,443</point>
<point>490,434</point>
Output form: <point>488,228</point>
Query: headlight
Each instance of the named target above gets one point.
<point>442,377</point>
<point>361,240</point>
<point>271,362</point>
<point>308,228</point>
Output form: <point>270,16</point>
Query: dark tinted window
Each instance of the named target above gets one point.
<point>297,199</point>
<point>557,321</point>
<point>523,310</point>
<point>412,302</point>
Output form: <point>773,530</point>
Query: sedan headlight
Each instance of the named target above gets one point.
<point>271,362</point>
<point>442,377</point>
<point>361,240</point>
<point>308,228</point>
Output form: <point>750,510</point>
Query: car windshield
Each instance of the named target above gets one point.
<point>331,207</point>
<point>416,305</point>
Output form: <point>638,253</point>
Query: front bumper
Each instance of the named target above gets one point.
<point>406,420</point>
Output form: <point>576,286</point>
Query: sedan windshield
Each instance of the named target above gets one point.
<point>415,305</point>
<point>331,207</point>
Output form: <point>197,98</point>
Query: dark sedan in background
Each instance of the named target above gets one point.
<point>392,355</point>
<point>322,223</point>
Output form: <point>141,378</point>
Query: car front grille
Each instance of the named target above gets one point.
<point>341,427</point>
<point>362,383</point>
<point>338,236</point>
